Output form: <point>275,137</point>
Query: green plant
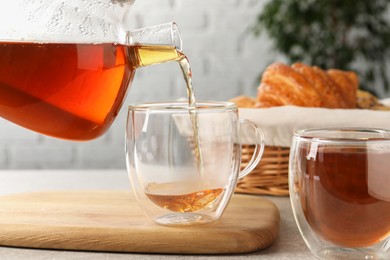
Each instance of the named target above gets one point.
<point>333,34</point>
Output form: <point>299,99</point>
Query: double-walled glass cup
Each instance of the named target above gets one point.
<point>184,163</point>
<point>339,183</point>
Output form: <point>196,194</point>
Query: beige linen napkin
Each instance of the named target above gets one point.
<point>279,123</point>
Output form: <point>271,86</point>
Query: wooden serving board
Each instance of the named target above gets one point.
<point>112,221</point>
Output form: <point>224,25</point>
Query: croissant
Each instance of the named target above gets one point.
<point>302,85</point>
<point>244,101</point>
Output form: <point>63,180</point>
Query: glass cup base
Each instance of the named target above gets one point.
<point>183,219</point>
<point>350,254</point>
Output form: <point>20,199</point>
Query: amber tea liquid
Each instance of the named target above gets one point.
<point>341,197</point>
<point>168,196</point>
<point>69,90</point>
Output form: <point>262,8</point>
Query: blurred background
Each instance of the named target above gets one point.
<point>229,43</point>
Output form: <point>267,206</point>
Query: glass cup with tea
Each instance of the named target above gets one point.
<point>184,162</point>
<point>66,66</point>
<point>339,183</point>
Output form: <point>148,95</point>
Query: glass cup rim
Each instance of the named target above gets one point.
<point>180,106</point>
<point>344,134</point>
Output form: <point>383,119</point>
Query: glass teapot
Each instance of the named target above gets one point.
<point>65,66</point>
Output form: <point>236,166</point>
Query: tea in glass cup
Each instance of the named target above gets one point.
<point>184,162</point>
<point>339,189</point>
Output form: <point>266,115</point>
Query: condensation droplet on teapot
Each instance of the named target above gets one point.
<point>68,27</point>
<point>104,3</point>
<point>103,26</point>
<point>58,15</point>
<point>88,6</point>
<point>86,27</point>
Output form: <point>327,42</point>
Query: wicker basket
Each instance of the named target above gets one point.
<point>270,177</point>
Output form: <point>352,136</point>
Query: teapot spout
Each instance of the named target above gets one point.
<point>154,45</point>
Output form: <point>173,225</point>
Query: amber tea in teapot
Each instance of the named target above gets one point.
<point>70,90</point>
